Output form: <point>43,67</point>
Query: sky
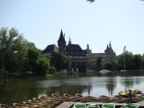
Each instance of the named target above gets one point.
<point>120,22</point>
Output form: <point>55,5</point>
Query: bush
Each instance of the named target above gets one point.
<point>52,70</point>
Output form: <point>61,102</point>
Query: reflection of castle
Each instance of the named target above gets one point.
<point>79,58</point>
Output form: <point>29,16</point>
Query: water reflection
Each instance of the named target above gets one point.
<point>94,85</point>
<point>110,85</point>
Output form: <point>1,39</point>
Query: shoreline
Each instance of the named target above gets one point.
<point>56,100</point>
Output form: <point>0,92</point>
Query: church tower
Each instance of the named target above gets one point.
<point>62,42</point>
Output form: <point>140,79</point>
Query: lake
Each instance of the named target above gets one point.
<point>19,90</point>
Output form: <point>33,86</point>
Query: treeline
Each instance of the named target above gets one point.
<point>20,57</point>
<point>126,60</point>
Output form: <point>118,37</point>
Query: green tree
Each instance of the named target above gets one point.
<point>37,63</point>
<point>142,64</point>
<point>59,61</point>
<point>42,66</point>
<point>126,57</point>
<point>52,70</point>
<point>99,63</point>
<point>137,61</point>
<point>108,65</point>
<point>8,40</point>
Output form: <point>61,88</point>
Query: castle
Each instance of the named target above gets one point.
<point>79,58</point>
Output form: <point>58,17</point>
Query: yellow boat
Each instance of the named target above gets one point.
<point>133,91</point>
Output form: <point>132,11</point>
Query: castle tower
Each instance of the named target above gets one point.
<point>62,42</point>
<point>88,49</point>
<point>69,42</point>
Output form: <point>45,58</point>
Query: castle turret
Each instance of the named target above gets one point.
<point>109,49</point>
<point>69,42</point>
<point>62,42</point>
<point>88,49</point>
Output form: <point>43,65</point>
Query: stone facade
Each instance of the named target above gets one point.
<point>108,55</point>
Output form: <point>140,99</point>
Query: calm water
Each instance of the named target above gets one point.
<point>19,90</point>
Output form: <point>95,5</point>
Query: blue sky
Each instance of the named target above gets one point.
<point>96,24</point>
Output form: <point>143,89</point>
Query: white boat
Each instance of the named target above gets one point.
<point>104,71</point>
<point>123,70</point>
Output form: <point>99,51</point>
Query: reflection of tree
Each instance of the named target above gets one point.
<point>110,86</point>
<point>17,91</point>
<point>89,89</point>
<point>5,87</point>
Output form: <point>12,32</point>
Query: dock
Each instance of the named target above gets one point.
<point>117,105</point>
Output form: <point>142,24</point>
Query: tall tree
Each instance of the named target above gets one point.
<point>8,40</point>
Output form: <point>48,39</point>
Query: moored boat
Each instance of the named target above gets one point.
<point>108,105</point>
<point>93,106</point>
<point>131,105</point>
<point>104,71</point>
<point>133,91</point>
<point>79,105</point>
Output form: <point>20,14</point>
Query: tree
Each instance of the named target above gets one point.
<point>99,63</point>
<point>8,40</point>
<point>108,66</point>
<point>137,61</point>
<point>59,61</point>
<point>128,60</point>
<point>52,70</point>
<point>36,62</point>
<point>42,66</point>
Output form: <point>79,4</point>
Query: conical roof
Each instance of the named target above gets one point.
<point>61,37</point>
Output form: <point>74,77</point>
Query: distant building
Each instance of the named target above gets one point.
<point>108,55</point>
<point>79,58</point>
<point>51,48</point>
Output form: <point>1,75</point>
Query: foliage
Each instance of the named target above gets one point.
<point>99,63</point>
<point>137,61</point>
<point>59,61</point>
<point>42,66</point>
<point>52,70</point>
<point>10,43</point>
<point>132,62</point>
<point>19,55</point>
<point>37,63</point>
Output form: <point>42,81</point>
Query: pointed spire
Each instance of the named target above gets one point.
<point>69,41</point>
<point>110,44</point>
<point>61,37</point>
<point>107,47</point>
<point>87,46</point>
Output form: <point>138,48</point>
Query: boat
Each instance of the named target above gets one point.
<point>108,105</point>
<point>131,105</point>
<point>104,71</point>
<point>123,70</point>
<point>133,91</point>
<point>93,106</point>
<point>79,105</point>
